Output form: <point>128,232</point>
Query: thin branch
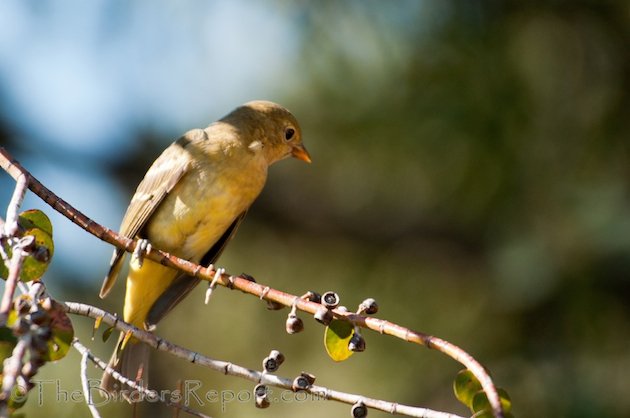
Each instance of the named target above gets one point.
<point>15,268</point>
<point>246,285</point>
<point>232,369</point>
<point>86,385</point>
<point>11,225</point>
<point>87,354</point>
<point>3,240</point>
<point>2,234</point>
<point>11,370</point>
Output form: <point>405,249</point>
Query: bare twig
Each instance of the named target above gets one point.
<point>11,225</point>
<point>87,354</point>
<point>11,370</point>
<point>246,285</point>
<point>15,268</point>
<point>9,229</point>
<point>3,240</point>
<point>86,385</point>
<point>232,369</point>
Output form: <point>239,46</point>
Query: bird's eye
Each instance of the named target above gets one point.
<point>289,133</point>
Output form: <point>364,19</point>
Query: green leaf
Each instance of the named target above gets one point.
<point>8,341</point>
<point>13,315</point>
<point>18,398</point>
<point>466,386</point>
<point>34,267</point>
<point>35,218</point>
<point>35,223</point>
<point>62,333</point>
<point>4,270</point>
<point>336,338</point>
<point>506,401</point>
<point>480,401</point>
<point>483,414</point>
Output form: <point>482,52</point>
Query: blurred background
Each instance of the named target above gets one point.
<point>471,171</point>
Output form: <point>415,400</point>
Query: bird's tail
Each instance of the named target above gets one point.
<point>132,362</point>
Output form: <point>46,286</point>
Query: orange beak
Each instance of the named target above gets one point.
<point>300,152</point>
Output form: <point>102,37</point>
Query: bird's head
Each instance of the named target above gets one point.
<point>269,129</point>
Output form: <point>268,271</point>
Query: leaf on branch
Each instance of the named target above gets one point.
<point>336,338</point>
<point>480,402</point>
<point>8,342</point>
<point>34,218</point>
<point>36,264</point>
<point>36,224</point>
<point>466,386</point>
<point>469,392</point>
<point>17,400</point>
<point>62,333</point>
<point>4,270</point>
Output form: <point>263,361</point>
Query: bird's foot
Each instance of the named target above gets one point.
<point>143,248</point>
<point>213,284</point>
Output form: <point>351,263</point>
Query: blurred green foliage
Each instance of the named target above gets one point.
<point>471,172</point>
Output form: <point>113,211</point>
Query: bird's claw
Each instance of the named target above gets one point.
<point>143,248</point>
<point>213,284</point>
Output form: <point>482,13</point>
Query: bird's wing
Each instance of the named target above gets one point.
<point>183,284</point>
<point>160,179</point>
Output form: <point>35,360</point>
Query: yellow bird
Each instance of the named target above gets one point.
<point>190,203</point>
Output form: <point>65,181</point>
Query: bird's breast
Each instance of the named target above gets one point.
<point>202,206</point>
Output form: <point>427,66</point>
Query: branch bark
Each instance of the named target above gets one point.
<point>231,369</point>
<point>87,354</point>
<point>244,284</point>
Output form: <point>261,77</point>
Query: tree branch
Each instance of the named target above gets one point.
<point>85,384</point>
<point>232,369</point>
<point>87,354</point>
<point>11,371</point>
<point>244,284</point>
<point>15,268</point>
<point>11,225</point>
